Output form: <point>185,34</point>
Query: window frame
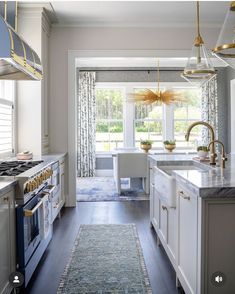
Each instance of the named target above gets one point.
<point>12,103</point>
<point>129,110</point>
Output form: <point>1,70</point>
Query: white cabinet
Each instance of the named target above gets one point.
<point>163,219</point>
<point>187,210</point>
<point>155,208</point>
<point>163,222</point>
<point>62,179</point>
<point>7,239</point>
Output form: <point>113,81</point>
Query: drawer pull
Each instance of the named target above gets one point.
<point>183,195</point>
<point>164,207</point>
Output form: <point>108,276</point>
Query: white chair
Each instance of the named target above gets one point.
<point>131,165</point>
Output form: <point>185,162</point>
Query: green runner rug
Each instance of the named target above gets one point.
<point>106,259</point>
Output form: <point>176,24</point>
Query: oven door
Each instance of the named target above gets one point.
<point>31,226</point>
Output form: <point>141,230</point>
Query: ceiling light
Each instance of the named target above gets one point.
<point>148,96</point>
<point>199,68</point>
<point>225,46</point>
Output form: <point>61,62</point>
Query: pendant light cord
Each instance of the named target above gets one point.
<point>158,77</point>
<point>198,20</point>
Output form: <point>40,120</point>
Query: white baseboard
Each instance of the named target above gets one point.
<point>104,173</point>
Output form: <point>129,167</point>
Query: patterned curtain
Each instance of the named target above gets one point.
<point>86,124</point>
<point>210,109</point>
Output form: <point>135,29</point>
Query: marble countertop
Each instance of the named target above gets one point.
<point>212,182</point>
<point>5,185</point>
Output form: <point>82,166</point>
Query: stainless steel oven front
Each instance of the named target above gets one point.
<point>33,228</point>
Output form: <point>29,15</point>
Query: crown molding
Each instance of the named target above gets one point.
<point>35,9</point>
<point>119,24</point>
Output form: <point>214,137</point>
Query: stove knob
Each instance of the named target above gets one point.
<point>38,181</point>
<point>31,186</point>
<point>41,177</point>
<point>27,188</point>
<point>35,184</point>
<point>48,174</point>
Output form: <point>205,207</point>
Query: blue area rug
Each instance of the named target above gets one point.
<point>104,189</point>
<point>106,259</point>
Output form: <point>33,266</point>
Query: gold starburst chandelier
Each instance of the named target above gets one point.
<point>148,96</point>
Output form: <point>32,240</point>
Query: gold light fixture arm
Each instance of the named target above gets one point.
<point>198,41</point>
<point>158,77</point>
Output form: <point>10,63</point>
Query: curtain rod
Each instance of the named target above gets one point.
<point>143,70</point>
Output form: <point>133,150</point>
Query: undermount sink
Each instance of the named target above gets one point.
<point>165,182</point>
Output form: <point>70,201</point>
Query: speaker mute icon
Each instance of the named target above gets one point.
<point>218,279</point>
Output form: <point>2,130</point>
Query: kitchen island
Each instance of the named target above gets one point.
<point>197,232</point>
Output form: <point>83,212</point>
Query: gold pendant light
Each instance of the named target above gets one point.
<point>148,96</point>
<point>225,46</point>
<point>199,68</point>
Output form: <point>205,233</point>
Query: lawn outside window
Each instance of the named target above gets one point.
<point>121,123</point>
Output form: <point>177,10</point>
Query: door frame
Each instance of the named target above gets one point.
<point>73,61</point>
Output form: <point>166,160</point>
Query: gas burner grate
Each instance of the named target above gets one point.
<point>14,168</point>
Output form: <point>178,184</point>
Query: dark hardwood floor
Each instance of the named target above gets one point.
<point>46,278</point>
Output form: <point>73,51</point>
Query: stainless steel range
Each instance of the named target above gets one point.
<point>34,194</point>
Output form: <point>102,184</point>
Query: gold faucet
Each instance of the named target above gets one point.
<point>223,157</point>
<point>212,149</point>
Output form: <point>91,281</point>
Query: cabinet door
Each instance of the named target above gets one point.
<point>156,205</point>
<point>187,240</point>
<point>62,179</point>
<point>163,221</point>
<point>5,248</point>
<point>11,196</point>
<point>172,236</point>
<point>151,203</point>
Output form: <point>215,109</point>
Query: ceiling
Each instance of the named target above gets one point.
<point>138,13</point>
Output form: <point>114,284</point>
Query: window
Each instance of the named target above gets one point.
<point>109,118</point>
<point>184,115</point>
<point>120,123</point>
<point>148,123</point>
<point>6,117</point>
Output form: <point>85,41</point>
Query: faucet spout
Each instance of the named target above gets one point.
<point>212,146</point>
<point>223,157</point>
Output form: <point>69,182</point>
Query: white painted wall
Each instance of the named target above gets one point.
<point>232,114</point>
<point>64,39</point>
<point>29,92</point>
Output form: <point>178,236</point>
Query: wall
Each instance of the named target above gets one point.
<point>29,92</point>
<point>64,39</point>
<point>229,75</point>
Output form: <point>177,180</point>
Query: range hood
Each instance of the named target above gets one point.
<point>18,61</point>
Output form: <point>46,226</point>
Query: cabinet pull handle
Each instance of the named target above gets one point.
<point>164,207</point>
<point>183,195</point>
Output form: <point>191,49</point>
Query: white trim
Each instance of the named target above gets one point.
<point>232,114</point>
<point>73,59</point>
<point>72,156</point>
<point>104,173</point>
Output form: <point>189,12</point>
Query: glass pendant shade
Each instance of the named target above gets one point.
<point>225,46</point>
<point>199,68</point>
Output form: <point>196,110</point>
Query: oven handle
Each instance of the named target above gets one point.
<point>48,192</point>
<point>29,213</point>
